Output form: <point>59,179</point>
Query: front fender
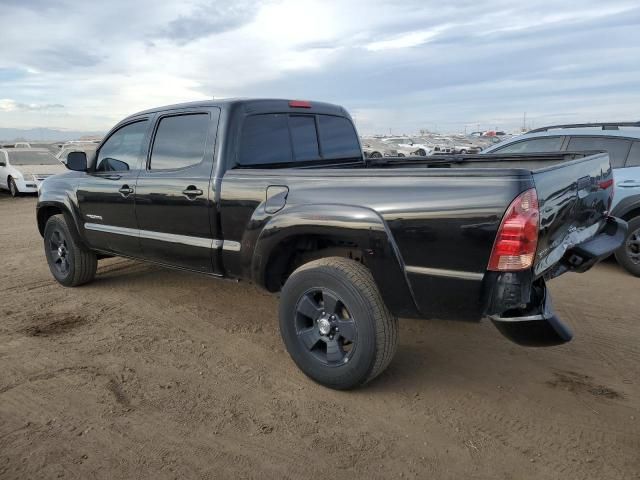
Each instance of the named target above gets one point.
<point>353,225</point>
<point>63,198</point>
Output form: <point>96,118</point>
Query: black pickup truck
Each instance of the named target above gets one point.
<point>277,192</point>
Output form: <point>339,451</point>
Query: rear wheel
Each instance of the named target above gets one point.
<point>628,255</point>
<point>421,152</point>
<point>375,155</point>
<point>13,188</point>
<point>70,263</point>
<point>334,323</point>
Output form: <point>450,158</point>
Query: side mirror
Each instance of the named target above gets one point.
<point>77,161</point>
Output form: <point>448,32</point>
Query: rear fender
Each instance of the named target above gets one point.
<point>354,225</point>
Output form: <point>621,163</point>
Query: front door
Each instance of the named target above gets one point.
<point>173,196</point>
<point>106,195</point>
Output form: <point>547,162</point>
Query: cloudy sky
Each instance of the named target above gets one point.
<point>404,65</point>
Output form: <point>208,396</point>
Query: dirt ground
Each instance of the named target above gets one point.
<point>151,373</point>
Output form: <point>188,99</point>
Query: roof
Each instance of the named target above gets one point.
<point>591,131</point>
<point>250,102</point>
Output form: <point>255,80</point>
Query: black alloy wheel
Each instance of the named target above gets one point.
<point>325,327</point>
<point>335,324</point>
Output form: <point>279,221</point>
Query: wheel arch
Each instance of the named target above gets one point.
<point>628,208</point>
<point>305,233</point>
<point>46,210</point>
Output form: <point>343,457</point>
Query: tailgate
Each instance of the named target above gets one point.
<point>574,200</point>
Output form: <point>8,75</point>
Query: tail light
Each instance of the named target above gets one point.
<point>605,184</point>
<point>517,238</point>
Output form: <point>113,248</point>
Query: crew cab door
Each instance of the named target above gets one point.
<point>106,195</point>
<point>173,195</point>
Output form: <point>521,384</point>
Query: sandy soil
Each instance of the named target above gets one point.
<point>150,373</point>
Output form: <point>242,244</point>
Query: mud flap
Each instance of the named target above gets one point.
<point>535,329</point>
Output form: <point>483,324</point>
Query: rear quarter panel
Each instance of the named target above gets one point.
<point>442,222</point>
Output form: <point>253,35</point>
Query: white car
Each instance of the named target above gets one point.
<point>67,149</point>
<point>409,147</point>
<point>23,169</point>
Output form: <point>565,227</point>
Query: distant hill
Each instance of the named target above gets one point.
<point>43,134</point>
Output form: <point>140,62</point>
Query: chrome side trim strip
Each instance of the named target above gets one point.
<point>132,232</point>
<point>528,318</point>
<point>231,245</point>
<point>441,272</point>
<point>166,237</point>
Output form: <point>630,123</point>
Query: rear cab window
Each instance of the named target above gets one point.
<point>281,138</point>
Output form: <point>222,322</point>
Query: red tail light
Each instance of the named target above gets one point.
<point>299,104</point>
<point>517,238</point>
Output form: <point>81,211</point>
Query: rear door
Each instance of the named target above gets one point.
<point>173,195</point>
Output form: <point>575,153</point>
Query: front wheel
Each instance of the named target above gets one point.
<point>13,188</point>
<point>70,263</point>
<point>628,255</point>
<point>335,324</point>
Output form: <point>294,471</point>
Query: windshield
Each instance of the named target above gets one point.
<point>31,158</point>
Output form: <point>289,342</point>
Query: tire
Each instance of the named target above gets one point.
<point>335,324</point>
<point>401,155</point>
<point>463,152</point>
<point>375,155</point>
<point>13,188</point>
<point>628,255</point>
<point>421,152</point>
<point>70,263</point>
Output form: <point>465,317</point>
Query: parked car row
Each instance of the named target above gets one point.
<point>424,145</point>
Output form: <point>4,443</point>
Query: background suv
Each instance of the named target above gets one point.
<point>622,141</point>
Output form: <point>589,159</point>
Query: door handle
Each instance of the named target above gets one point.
<point>126,190</point>
<point>192,191</point>
<point>628,184</point>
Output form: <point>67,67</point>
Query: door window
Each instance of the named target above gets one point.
<point>616,147</point>
<point>121,152</point>
<point>179,142</point>
<point>535,145</point>
<point>633,160</point>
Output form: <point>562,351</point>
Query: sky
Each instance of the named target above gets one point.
<point>397,66</point>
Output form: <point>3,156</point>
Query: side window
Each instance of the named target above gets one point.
<point>616,147</point>
<point>535,145</point>
<point>633,160</point>
<point>338,138</point>
<point>304,137</point>
<point>265,139</point>
<point>180,141</point>
<point>121,152</point>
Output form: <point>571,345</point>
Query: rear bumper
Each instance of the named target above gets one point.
<point>520,306</point>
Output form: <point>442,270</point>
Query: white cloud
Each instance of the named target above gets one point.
<point>404,65</point>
